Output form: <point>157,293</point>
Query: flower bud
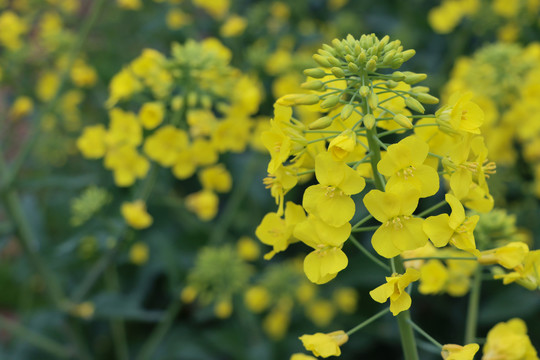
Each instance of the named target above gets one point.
<point>338,72</point>
<point>372,100</point>
<point>403,121</point>
<point>322,61</point>
<point>347,111</point>
<point>415,105</point>
<point>308,99</point>
<point>330,102</point>
<point>321,123</point>
<point>427,98</point>
<point>407,54</point>
<point>316,73</point>
<point>371,65</point>
<point>412,78</point>
<point>312,85</point>
<point>369,121</point>
<point>353,67</point>
<point>333,61</point>
<point>398,76</point>
<point>364,91</point>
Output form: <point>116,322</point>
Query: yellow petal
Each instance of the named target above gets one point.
<point>437,229</point>
<point>382,241</point>
<point>328,171</point>
<point>457,217</point>
<point>381,205</point>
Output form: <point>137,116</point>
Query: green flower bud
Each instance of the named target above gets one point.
<point>369,121</point>
<point>398,76</point>
<point>338,72</point>
<point>308,99</point>
<point>364,91</point>
<point>371,65</point>
<point>412,78</point>
<point>403,121</point>
<point>316,73</point>
<point>322,61</point>
<point>415,105</point>
<point>347,111</point>
<point>372,100</point>
<point>353,67</point>
<point>389,57</point>
<point>333,61</point>
<point>427,98</point>
<point>321,123</point>
<point>420,89</point>
<point>330,102</point>
<point>349,58</point>
<point>391,84</point>
<point>312,85</point>
<point>407,54</point>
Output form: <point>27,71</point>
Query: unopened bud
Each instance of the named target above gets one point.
<point>353,67</point>
<point>316,73</point>
<point>333,61</point>
<point>389,57</point>
<point>371,65</point>
<point>308,99</point>
<point>403,121</point>
<point>414,104</point>
<point>398,76</point>
<point>312,85</point>
<point>407,54</point>
<point>369,121</point>
<point>330,102</point>
<point>412,78</point>
<point>364,91</point>
<point>347,111</point>
<point>321,123</point>
<point>322,61</point>
<point>372,100</point>
<point>338,72</point>
<point>427,98</point>
<point>391,84</point>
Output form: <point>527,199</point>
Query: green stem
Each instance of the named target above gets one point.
<point>368,254</point>
<point>474,303</point>
<point>375,158</point>
<point>49,107</point>
<point>406,333</point>
<point>367,228</point>
<point>368,321</point>
<point>36,339</point>
<point>160,331</point>
<point>361,222</point>
<point>117,325</point>
<point>425,334</point>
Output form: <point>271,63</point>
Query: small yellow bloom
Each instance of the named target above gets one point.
<point>223,309</point>
<point>342,145</point>
<point>325,345</point>
<point>129,4</point>
<point>395,289</point>
<point>233,26</point>
<point>458,352</point>
<point>164,145</point>
<point>509,341</point>
<point>248,249</point>
<point>135,214</point>
<point>176,19</point>
<point>22,106</point>
<point>139,253</point>
<point>84,310</point>
<point>257,298</point>
<point>188,294</point>
<point>321,312</point>
<point>203,203</point>
<point>300,356</point>
<point>275,324</point>
<point>433,277</point>
<point>91,143</point>
<point>151,114</point>
<point>509,256</point>
<point>216,178</point>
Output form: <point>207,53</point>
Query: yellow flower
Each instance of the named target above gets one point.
<point>12,27</point>
<point>151,114</point>
<point>400,231</point>
<point>138,254</point>
<point>22,106</point>
<point>509,256</point>
<point>176,19</point>
<point>320,312</point>
<point>404,165</point>
<point>164,145</point>
<point>47,86</point>
<point>395,289</point>
<point>278,144</point>
<point>188,294</point>
<point>455,228</point>
<point>527,274</point>
<point>257,298</point>
<point>122,86</point>
<point>279,184</point>
<point>247,249</point>
<point>460,115</point>
<point>129,4</point>
<point>433,277</point>
<point>216,8</point>
<point>458,352</point>
<point>342,145</point>
<point>277,232</point>
<point>216,178</point>
<point>299,356</point>
<point>509,341</point>
<point>82,74</point>
<point>124,129</point>
<point>325,345</point>
<point>203,203</point>
<point>233,26</point>
<point>223,309</point>
<point>330,200</point>
<point>443,19</point>
<point>84,310</point>
<point>135,214</point>
<point>127,165</point>
<point>275,324</point>
<point>327,259</point>
<point>346,299</point>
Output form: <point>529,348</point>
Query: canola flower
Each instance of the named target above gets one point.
<point>201,108</point>
<point>355,98</point>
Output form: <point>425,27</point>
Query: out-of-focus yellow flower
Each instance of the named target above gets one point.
<point>444,18</point>
<point>91,143</point>
<point>12,27</point>
<point>129,4</point>
<point>233,26</point>
<point>151,114</point>
<point>139,253</point>
<point>203,203</point>
<point>188,294</point>
<point>223,308</point>
<point>458,352</point>
<point>509,256</point>
<point>165,144</point>
<point>346,299</point>
<point>248,249</point>
<point>216,8</point>
<point>321,312</point>
<point>135,214</point>
<point>84,310</point>
<point>299,356</point>
<point>275,324</point>
<point>176,19</point>
<point>325,345</point>
<point>47,86</point>
<point>22,106</point>
<point>82,74</point>
<point>122,86</point>
<point>509,341</point>
<point>257,298</point>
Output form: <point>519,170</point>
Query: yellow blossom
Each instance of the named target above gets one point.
<point>127,165</point>
<point>433,277</point>
<point>509,341</point>
<point>460,115</point>
<point>82,74</point>
<point>223,309</point>
<point>216,8</point>
<point>139,253</point>
<point>458,352</point>
<point>257,298</point>
<point>122,86</point>
<point>129,4</point>
<point>124,129</point>
<point>509,256</point>
<point>330,199</point>
<point>346,299</point>
<point>247,248</point>
<point>22,106</point>
<point>321,312</point>
<point>400,231</point>
<point>203,203</point>
<point>216,178</point>
<point>12,27</point>
<point>325,345</point>
<point>395,290</point>
<point>275,324</point>
<point>342,145</point>
<point>47,86</point>
<point>135,214</point>
<point>176,19</point>
<point>151,114</point>
<point>233,26</point>
<point>164,145</point>
<point>91,143</point>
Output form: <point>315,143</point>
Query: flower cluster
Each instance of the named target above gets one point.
<point>200,108</point>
